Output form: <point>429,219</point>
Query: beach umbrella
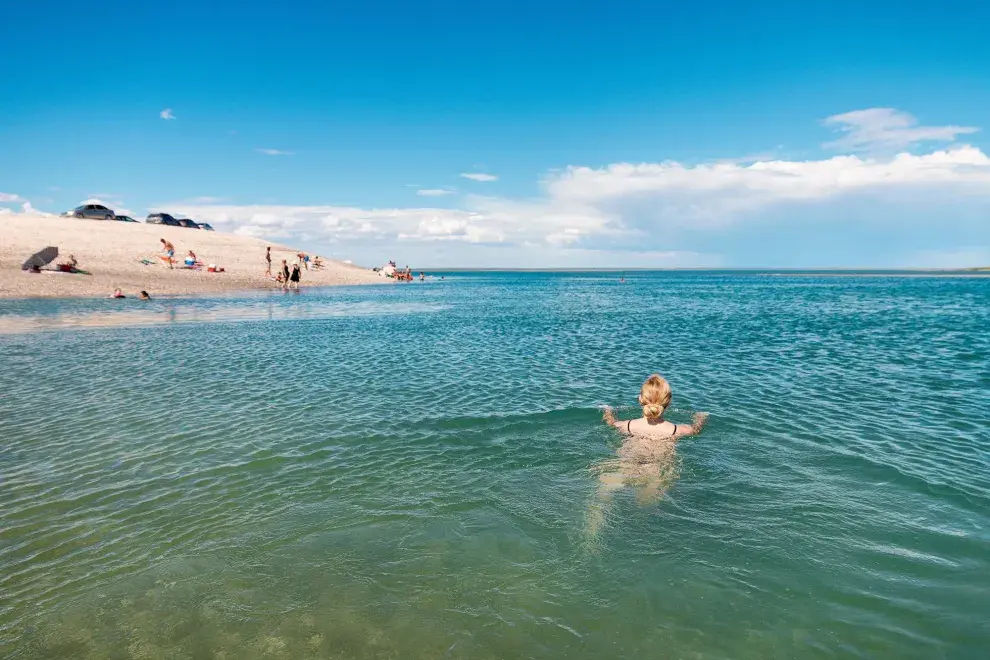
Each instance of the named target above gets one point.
<point>41,258</point>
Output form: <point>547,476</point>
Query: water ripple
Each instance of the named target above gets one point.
<point>405,471</point>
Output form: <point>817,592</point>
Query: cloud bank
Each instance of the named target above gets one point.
<point>619,212</point>
<point>833,210</point>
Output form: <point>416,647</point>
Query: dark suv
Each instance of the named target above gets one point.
<point>187,223</point>
<point>162,219</point>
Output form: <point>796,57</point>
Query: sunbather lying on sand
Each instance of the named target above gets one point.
<point>69,265</point>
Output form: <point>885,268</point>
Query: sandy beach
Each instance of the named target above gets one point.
<point>113,252</point>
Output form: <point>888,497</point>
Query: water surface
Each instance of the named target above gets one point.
<point>406,471</point>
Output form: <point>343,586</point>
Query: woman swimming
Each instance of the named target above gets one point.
<point>647,458</point>
<point>654,397</point>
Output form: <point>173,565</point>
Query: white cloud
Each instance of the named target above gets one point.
<point>479,176</point>
<point>274,152</point>
<point>27,209</point>
<point>166,114</point>
<point>9,197</point>
<point>435,192</point>
<point>657,210</point>
<point>886,129</point>
<point>617,209</point>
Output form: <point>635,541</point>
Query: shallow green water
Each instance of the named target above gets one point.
<point>405,472</point>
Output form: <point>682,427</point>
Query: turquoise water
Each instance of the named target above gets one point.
<point>409,471</point>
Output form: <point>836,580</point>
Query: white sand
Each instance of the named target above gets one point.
<point>112,252</point>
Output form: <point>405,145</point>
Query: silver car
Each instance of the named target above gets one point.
<point>91,211</point>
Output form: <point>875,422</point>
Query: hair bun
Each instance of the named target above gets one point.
<point>652,410</point>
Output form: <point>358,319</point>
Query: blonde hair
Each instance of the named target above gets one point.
<point>654,396</point>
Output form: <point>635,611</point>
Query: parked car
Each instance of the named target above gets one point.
<point>91,211</point>
<point>206,226</point>
<point>187,223</point>
<point>125,218</point>
<point>162,219</point>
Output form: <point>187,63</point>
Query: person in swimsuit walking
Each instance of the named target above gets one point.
<point>647,457</point>
<point>285,274</point>
<point>169,250</point>
<point>294,277</point>
<point>268,262</point>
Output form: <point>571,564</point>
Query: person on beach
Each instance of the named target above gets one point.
<point>69,265</point>
<point>168,252</point>
<point>191,260</point>
<point>268,261</point>
<point>647,458</point>
<point>144,296</point>
<point>294,277</point>
<point>117,293</point>
<point>285,274</point>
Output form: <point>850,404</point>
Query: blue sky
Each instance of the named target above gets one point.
<point>604,134</point>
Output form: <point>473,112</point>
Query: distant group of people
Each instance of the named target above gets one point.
<point>290,276</point>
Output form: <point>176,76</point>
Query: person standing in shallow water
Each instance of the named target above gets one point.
<point>285,274</point>
<point>647,459</point>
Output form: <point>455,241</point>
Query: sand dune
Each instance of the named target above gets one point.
<point>112,252</point>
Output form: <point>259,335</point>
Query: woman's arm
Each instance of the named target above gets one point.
<point>700,418</point>
<point>610,419</point>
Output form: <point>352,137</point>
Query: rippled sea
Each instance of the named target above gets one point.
<point>408,471</point>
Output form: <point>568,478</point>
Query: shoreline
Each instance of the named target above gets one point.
<point>126,256</point>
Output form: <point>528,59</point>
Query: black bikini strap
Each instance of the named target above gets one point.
<point>675,430</point>
<point>627,426</point>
